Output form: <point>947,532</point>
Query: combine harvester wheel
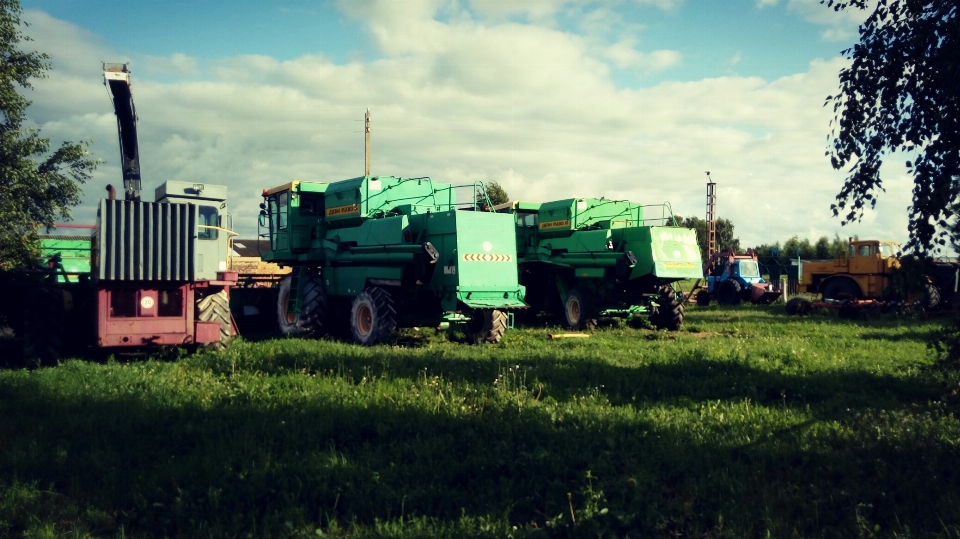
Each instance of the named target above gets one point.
<point>487,326</point>
<point>310,321</point>
<point>579,310</point>
<point>216,308</point>
<point>373,318</point>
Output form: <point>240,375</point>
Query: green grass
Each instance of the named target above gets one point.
<point>747,423</point>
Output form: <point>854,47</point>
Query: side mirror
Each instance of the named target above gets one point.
<point>263,206</point>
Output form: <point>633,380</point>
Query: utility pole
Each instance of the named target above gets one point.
<point>366,143</point>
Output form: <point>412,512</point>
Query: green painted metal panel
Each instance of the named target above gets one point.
<point>562,217</point>
<point>667,252</point>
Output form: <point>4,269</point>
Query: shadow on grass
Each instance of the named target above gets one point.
<point>241,467</point>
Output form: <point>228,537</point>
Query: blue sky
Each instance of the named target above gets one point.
<point>552,98</point>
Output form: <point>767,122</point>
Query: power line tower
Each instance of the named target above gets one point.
<point>711,216</point>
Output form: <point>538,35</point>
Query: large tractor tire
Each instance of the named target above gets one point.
<point>216,308</point>
<point>841,289</point>
<point>311,321</point>
<point>373,318</point>
<point>43,327</point>
<point>669,314</point>
<point>729,293</point>
<point>703,298</point>
<point>931,300</point>
<point>580,311</point>
<point>487,326</point>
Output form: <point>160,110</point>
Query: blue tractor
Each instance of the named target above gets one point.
<point>733,278</point>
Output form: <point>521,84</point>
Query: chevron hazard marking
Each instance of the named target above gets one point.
<point>486,257</point>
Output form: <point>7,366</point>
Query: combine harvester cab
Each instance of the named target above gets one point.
<point>377,253</point>
<point>587,258</point>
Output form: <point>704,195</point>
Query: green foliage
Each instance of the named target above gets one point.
<point>497,194</point>
<point>725,235</point>
<point>823,249</point>
<point>900,93</point>
<point>747,423</point>
<point>37,185</point>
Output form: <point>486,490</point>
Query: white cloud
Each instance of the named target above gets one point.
<point>840,25</point>
<point>529,106</point>
<point>765,3</point>
<point>624,55</point>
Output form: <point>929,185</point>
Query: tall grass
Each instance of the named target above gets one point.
<point>747,423</point>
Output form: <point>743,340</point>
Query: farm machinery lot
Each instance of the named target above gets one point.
<point>744,423</point>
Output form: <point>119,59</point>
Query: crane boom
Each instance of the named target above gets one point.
<point>116,77</point>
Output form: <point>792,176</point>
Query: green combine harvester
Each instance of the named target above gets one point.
<point>378,253</point>
<point>588,257</point>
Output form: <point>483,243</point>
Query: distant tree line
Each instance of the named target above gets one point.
<point>822,249</point>
<point>781,253</point>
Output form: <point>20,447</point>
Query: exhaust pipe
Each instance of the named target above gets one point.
<point>112,192</point>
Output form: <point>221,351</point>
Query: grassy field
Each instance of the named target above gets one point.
<point>747,423</point>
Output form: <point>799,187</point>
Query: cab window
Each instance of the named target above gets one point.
<point>282,210</point>
<point>208,222</point>
<point>865,250</point>
<point>886,250</point>
<point>527,220</point>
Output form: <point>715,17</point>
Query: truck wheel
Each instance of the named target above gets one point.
<point>669,315</point>
<point>487,326</point>
<point>373,318</point>
<point>841,289</point>
<point>312,318</point>
<point>43,327</point>
<point>703,298</point>
<point>729,293</point>
<point>216,308</point>
<point>931,297</point>
<point>579,310</point>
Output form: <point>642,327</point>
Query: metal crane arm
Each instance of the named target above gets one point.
<point>116,77</point>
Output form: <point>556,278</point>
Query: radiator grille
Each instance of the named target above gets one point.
<point>146,241</point>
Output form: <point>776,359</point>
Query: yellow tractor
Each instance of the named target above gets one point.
<point>863,272</point>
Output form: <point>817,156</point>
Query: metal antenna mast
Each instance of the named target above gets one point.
<point>366,143</point>
<point>711,216</point>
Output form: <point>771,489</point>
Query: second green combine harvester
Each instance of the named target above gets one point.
<point>587,257</point>
<point>378,253</point>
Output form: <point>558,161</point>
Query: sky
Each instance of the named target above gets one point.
<point>553,99</point>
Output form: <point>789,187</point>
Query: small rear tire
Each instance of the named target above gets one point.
<point>373,318</point>
<point>579,310</point>
<point>794,305</point>
<point>487,326</point>
<point>668,315</point>
<point>703,298</point>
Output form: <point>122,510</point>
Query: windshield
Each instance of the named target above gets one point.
<point>888,249</point>
<point>748,268</point>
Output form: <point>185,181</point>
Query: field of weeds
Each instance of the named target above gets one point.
<point>746,423</point>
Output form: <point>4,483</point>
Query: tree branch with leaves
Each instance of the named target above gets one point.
<point>900,94</point>
<point>37,186</point>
